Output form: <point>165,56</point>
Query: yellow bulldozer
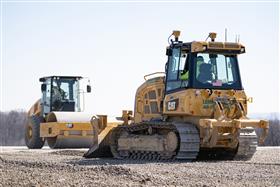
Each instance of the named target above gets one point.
<point>197,108</point>
<point>57,117</point>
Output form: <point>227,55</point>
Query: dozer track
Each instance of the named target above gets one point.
<point>186,134</point>
<point>248,142</point>
<point>189,141</point>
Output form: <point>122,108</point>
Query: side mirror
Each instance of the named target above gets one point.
<point>88,88</point>
<point>42,79</point>
<point>43,87</point>
<point>169,52</point>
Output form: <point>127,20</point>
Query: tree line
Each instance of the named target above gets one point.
<point>12,129</point>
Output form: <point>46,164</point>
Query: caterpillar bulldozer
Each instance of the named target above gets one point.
<point>57,117</point>
<point>196,108</point>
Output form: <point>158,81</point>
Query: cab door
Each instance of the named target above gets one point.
<point>46,97</point>
<point>177,65</point>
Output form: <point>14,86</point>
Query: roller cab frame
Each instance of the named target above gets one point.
<point>60,93</point>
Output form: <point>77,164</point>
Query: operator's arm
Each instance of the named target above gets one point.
<point>184,75</point>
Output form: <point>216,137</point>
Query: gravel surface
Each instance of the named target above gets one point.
<point>22,167</point>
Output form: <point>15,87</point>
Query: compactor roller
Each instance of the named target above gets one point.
<point>196,108</point>
<point>68,130</point>
<point>57,116</point>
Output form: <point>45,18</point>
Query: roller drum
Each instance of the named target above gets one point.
<point>69,117</point>
<point>61,142</point>
<point>75,138</point>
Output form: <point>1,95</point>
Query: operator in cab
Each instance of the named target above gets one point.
<point>58,96</point>
<point>184,75</point>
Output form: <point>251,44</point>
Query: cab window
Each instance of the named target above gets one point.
<point>216,71</point>
<point>177,70</point>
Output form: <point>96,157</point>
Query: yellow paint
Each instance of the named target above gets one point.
<point>52,129</point>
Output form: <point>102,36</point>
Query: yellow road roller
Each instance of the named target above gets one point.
<point>57,117</point>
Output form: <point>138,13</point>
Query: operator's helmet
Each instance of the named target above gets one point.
<point>200,59</point>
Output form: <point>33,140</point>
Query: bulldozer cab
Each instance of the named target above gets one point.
<point>61,93</point>
<point>203,65</point>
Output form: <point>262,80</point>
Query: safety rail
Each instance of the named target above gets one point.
<point>151,74</point>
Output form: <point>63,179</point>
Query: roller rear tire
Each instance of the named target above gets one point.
<point>32,133</point>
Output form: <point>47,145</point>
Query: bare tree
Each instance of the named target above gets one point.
<point>12,127</point>
<point>273,138</point>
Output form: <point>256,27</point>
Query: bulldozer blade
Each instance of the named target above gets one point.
<point>101,151</point>
<point>102,148</point>
<point>101,141</point>
<point>90,151</point>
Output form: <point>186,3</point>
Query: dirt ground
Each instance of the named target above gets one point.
<point>46,167</point>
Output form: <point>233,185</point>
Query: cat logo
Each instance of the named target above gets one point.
<point>172,105</point>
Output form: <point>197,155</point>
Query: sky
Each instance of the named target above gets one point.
<point>116,44</point>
